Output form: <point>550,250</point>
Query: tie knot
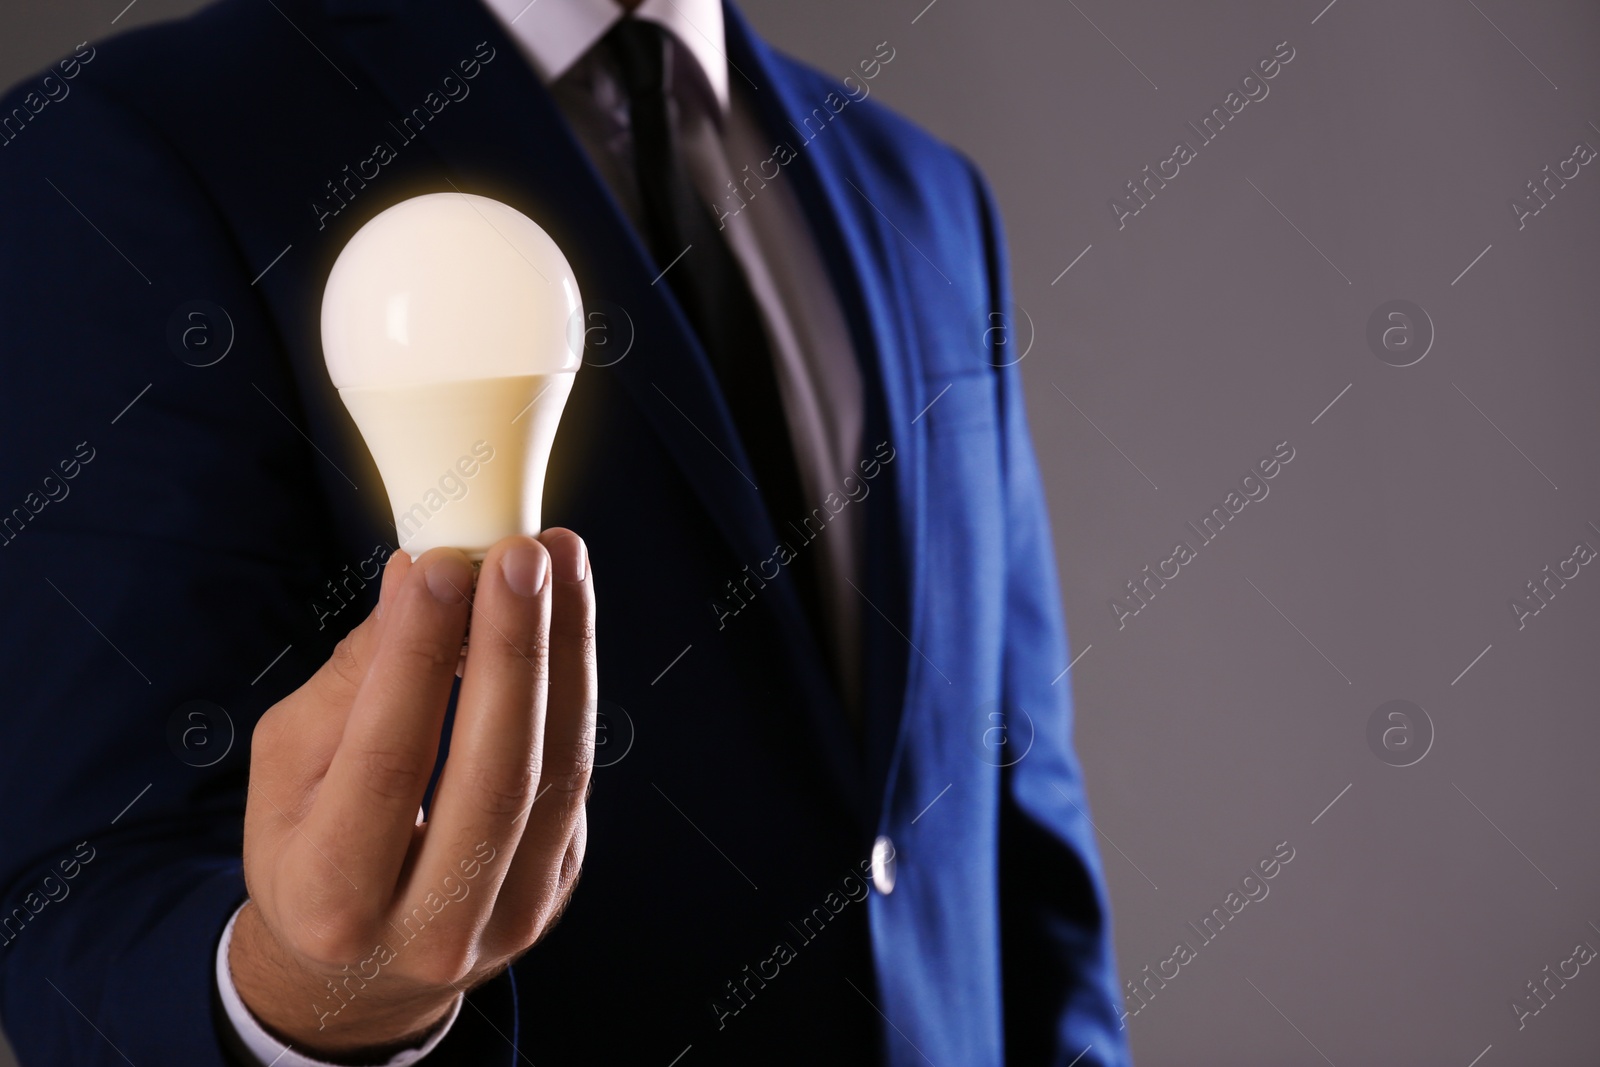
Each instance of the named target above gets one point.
<point>639,47</point>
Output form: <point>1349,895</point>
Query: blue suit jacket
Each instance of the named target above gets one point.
<point>175,533</point>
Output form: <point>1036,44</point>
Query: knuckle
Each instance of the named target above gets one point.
<point>449,963</point>
<point>570,783</point>
<point>576,627</point>
<point>525,934</point>
<point>572,862</point>
<point>528,927</point>
<point>430,652</point>
<point>267,733</point>
<point>344,664</point>
<point>551,913</point>
<point>525,637</point>
<point>524,646</point>
<point>536,649</point>
<point>341,676</point>
<point>501,789</point>
<point>391,773</point>
<point>568,769</point>
<point>323,942</point>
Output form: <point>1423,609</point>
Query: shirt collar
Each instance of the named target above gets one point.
<point>555,34</point>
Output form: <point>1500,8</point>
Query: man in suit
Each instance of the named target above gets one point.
<point>835,811</point>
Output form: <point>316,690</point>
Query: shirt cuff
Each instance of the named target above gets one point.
<point>267,1050</point>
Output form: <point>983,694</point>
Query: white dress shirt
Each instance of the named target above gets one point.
<point>818,377</point>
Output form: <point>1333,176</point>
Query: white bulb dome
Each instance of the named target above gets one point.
<point>448,287</point>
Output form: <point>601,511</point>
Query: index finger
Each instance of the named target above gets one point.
<point>366,809</point>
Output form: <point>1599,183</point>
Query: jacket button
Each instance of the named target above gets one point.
<point>883,863</point>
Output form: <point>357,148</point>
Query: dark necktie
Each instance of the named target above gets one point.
<point>713,291</point>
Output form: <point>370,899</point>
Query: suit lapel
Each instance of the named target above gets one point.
<point>890,573</point>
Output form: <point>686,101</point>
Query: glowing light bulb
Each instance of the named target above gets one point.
<point>446,327</point>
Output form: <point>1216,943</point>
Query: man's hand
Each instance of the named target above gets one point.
<point>365,922</point>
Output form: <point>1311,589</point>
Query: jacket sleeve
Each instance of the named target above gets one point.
<point>1058,968</point>
<point>164,544</point>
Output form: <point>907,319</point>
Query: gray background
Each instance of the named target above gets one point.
<point>1223,319</point>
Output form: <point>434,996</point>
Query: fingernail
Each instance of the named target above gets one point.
<point>570,557</point>
<point>525,567</point>
<point>449,579</point>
